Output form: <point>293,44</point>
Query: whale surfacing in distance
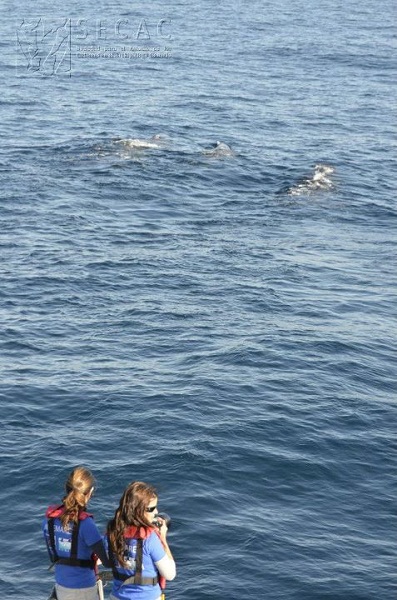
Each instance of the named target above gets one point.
<point>219,150</point>
<point>318,181</point>
<point>154,142</point>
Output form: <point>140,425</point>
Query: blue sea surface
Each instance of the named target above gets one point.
<point>217,325</point>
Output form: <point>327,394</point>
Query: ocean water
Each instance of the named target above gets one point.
<point>186,319</point>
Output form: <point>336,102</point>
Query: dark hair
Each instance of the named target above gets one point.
<point>131,511</point>
<point>78,485</point>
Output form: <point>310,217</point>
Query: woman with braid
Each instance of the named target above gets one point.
<point>73,540</point>
<point>137,546</point>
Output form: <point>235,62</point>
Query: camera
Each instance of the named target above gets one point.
<point>166,518</point>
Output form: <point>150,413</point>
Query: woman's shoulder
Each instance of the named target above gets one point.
<point>87,521</point>
<point>54,510</point>
<point>153,539</point>
<point>89,531</point>
<point>83,515</point>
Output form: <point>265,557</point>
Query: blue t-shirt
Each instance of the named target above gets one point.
<point>74,577</point>
<point>153,551</point>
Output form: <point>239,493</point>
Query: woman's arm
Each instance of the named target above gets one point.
<point>166,567</point>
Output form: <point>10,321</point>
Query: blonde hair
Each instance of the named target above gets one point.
<point>131,511</point>
<point>78,485</point>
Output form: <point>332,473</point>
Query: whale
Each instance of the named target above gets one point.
<point>219,150</point>
<point>317,181</point>
<point>155,142</point>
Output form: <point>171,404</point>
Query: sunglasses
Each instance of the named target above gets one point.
<point>151,508</point>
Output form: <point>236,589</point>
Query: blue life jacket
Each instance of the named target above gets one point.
<point>55,512</point>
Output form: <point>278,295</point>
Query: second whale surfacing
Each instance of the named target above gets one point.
<point>219,150</point>
<point>318,181</point>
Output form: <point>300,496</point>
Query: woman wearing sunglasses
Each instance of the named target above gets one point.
<point>137,545</point>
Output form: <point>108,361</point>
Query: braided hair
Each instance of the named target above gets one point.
<point>78,486</point>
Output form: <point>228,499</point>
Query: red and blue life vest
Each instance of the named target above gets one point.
<point>139,534</point>
<point>55,512</point>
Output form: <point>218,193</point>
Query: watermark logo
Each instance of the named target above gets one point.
<point>44,47</point>
<point>48,47</point>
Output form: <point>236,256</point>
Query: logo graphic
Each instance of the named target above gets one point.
<point>64,545</point>
<point>44,48</point>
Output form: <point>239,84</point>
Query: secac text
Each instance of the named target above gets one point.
<point>121,29</point>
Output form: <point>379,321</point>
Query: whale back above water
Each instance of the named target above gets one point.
<point>155,142</point>
<point>219,150</point>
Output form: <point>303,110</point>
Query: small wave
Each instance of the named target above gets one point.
<point>319,180</point>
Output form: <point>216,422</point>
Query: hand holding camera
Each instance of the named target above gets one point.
<point>163,522</point>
